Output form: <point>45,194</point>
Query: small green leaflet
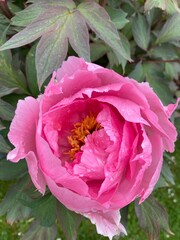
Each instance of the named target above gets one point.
<point>170,30</point>
<point>152,218</point>
<point>57,24</point>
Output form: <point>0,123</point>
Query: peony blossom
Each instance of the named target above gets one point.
<point>95,138</point>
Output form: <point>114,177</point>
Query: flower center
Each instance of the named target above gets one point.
<point>81,129</point>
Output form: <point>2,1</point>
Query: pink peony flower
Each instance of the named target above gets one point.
<point>95,138</point>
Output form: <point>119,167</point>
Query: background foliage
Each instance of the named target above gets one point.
<point>139,39</point>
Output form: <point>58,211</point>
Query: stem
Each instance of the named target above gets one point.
<point>5,9</point>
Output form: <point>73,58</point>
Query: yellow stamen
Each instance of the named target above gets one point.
<point>81,129</point>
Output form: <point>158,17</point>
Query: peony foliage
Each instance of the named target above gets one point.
<point>89,94</point>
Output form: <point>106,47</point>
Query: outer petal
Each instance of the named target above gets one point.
<point>171,108</point>
<point>22,136</point>
<point>107,223</point>
<point>23,129</point>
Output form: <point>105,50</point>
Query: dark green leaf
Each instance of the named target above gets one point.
<point>166,52</point>
<point>6,110</point>
<point>124,216</point>
<point>44,209</point>
<point>177,123</point>
<point>98,50</point>
<point>170,30</point>
<point>2,126</point>
<point>141,31</point>
<point>4,23</point>
<point>11,204</point>
<point>117,16</point>
<point>31,73</point>
<point>152,218</point>
<point>10,78</point>
<point>99,21</point>
<point>153,16</point>
<point>69,222</point>
<point>38,232</point>
<point>4,147</point>
<point>172,70</point>
<point>166,173</point>
<point>137,73</point>
<point>154,75</point>
<point>10,171</point>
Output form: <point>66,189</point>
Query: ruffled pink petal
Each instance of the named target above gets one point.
<point>52,167</point>
<point>129,110</point>
<point>72,200</point>
<point>107,223</point>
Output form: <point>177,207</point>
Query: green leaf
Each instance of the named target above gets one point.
<point>117,16</point>
<point>172,70</point>
<point>4,147</point>
<point>152,218</point>
<point>126,46</point>
<point>153,16</point>
<point>170,6</point>
<point>141,31</point>
<point>10,78</point>
<point>69,222</point>
<point>31,73</point>
<point>53,46</point>
<point>10,171</point>
<point>171,29</point>
<point>166,179</point>
<point>166,173</point>
<point>154,75</point>
<point>165,51</point>
<point>11,204</point>
<point>44,209</point>
<point>6,110</point>
<point>137,73</point>
<point>177,124</point>
<point>6,91</point>
<point>124,216</point>
<point>78,38</point>
<point>31,13</point>
<point>99,21</point>
<point>2,126</point>
<point>38,232</point>
<point>44,23</point>
<point>98,50</point>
